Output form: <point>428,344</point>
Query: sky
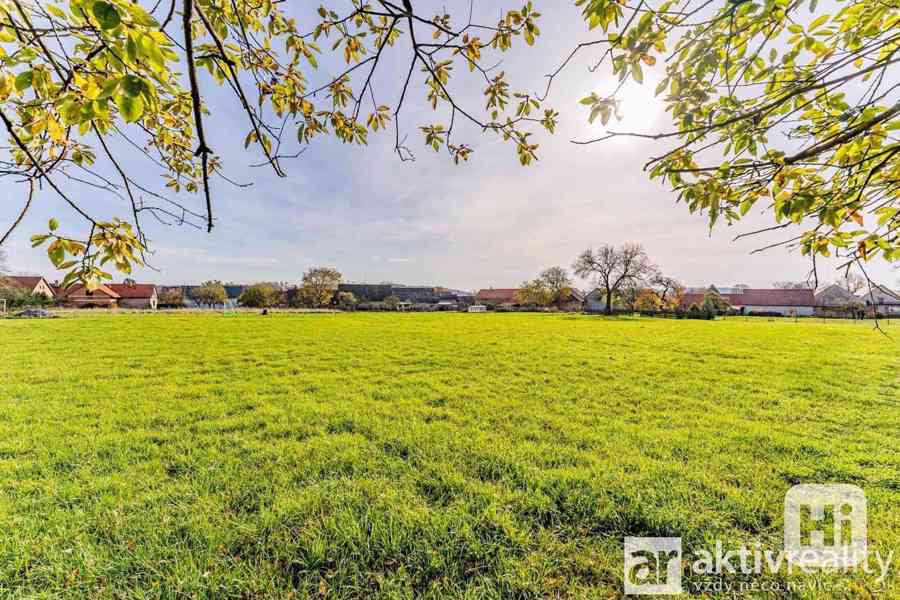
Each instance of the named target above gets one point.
<point>487,223</point>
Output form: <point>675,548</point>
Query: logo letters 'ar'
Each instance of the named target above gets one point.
<point>652,565</point>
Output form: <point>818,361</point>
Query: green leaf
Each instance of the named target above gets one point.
<point>818,22</point>
<point>661,87</point>
<point>132,85</point>
<point>56,11</point>
<point>56,253</point>
<point>131,108</point>
<point>109,88</point>
<point>746,205</point>
<point>107,15</point>
<point>637,73</point>
<point>54,224</point>
<point>23,80</point>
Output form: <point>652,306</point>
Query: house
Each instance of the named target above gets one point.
<point>575,301</point>
<point>34,285</point>
<point>835,301</point>
<point>136,295</point>
<point>881,301</point>
<point>749,301</point>
<point>461,297</point>
<point>498,296</point>
<point>78,296</point>
<point>595,302</point>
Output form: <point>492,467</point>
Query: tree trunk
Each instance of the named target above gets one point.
<point>608,301</point>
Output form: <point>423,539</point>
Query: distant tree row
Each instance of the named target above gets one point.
<point>318,289</point>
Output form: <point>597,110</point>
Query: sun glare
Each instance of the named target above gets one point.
<point>638,108</point>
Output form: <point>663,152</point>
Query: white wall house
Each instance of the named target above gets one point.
<point>749,301</point>
<point>595,302</point>
<point>884,300</point>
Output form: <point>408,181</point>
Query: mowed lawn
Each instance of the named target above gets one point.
<point>426,455</point>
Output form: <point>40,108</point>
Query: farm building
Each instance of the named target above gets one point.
<point>835,301</point>
<point>498,296</point>
<point>595,302</point>
<point>78,296</point>
<point>750,301</point>
<point>136,295</point>
<point>575,302</point>
<point>881,300</point>
<point>35,285</point>
<point>367,292</point>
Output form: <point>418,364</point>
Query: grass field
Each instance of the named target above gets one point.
<point>443,456</point>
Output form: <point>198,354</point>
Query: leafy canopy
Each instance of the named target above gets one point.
<point>552,286</point>
<point>789,106</point>
<point>319,286</point>
<point>785,106</point>
<point>210,293</point>
<point>79,75</point>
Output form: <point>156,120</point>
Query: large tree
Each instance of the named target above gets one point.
<point>319,286</point>
<point>612,269</point>
<point>260,295</point>
<point>785,107</point>
<point>668,289</point>
<point>552,286</point>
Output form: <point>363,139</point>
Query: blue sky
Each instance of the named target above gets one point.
<point>490,222</point>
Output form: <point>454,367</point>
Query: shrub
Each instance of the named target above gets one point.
<point>261,295</point>
<point>698,312</point>
<point>19,298</point>
<point>347,300</point>
<point>172,298</point>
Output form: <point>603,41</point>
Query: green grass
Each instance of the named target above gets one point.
<point>443,456</point>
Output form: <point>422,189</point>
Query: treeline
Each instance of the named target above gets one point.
<point>318,289</point>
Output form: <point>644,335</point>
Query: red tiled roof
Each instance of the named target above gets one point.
<point>78,289</point>
<point>138,291</point>
<point>755,297</point>
<point>497,295</point>
<point>23,282</point>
